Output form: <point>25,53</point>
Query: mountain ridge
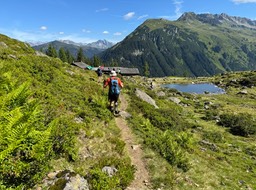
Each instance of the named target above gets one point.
<point>89,49</point>
<point>193,45</point>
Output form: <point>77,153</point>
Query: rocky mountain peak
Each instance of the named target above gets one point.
<point>187,16</point>
<point>217,19</point>
<point>101,44</point>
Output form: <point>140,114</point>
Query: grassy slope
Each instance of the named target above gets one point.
<point>84,137</point>
<point>226,161</point>
<point>67,93</point>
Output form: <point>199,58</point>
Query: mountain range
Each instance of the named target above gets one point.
<point>193,45</point>
<point>57,132</point>
<point>89,49</point>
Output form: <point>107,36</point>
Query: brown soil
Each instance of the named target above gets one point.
<point>141,181</point>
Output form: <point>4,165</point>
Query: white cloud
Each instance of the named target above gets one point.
<point>102,10</point>
<point>129,16</point>
<point>61,33</point>
<point>43,28</point>
<point>86,31</point>
<point>105,32</point>
<point>178,6</point>
<point>44,37</point>
<point>243,1</point>
<point>142,16</point>
<point>117,34</point>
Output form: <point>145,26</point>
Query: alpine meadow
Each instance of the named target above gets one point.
<point>56,131</point>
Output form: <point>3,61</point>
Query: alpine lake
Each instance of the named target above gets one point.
<point>200,88</point>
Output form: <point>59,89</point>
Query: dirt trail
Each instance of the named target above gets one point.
<point>141,181</point>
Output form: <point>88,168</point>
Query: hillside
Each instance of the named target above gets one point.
<point>55,125</point>
<point>53,117</point>
<point>193,45</point>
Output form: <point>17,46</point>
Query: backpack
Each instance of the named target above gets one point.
<point>99,72</point>
<point>114,87</point>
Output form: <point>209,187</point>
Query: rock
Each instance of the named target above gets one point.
<point>52,175</point>
<point>109,170</point>
<point>70,72</point>
<point>206,107</point>
<point>77,183</point>
<point>211,146</point>
<point>66,180</point>
<point>134,147</point>
<point>38,53</point>
<point>243,92</point>
<point>161,94</point>
<point>175,100</point>
<point>3,45</point>
<point>79,120</point>
<point>12,56</point>
<point>145,97</point>
<point>125,114</point>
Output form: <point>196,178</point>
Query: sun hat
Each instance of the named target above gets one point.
<point>113,74</point>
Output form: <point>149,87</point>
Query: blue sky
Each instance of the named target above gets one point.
<point>91,20</point>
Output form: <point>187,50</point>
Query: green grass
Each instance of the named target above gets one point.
<point>216,158</point>
<point>184,147</point>
<point>72,106</point>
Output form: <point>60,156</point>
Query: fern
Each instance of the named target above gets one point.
<point>25,145</point>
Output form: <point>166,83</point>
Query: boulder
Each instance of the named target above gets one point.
<point>175,100</point>
<point>109,170</point>
<point>145,97</point>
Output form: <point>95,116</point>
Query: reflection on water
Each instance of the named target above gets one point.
<point>201,88</point>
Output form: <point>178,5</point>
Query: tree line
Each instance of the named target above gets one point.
<point>64,55</point>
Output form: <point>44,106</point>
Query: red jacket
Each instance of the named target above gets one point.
<point>107,82</point>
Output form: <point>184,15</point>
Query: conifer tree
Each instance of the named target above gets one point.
<point>146,69</point>
<point>70,57</point>
<point>113,63</point>
<point>51,51</point>
<point>80,55</point>
<point>62,55</point>
<point>96,61</point>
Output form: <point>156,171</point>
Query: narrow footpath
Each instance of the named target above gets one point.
<point>141,181</point>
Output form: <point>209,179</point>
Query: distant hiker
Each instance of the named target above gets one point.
<point>119,71</point>
<point>115,85</point>
<point>99,73</point>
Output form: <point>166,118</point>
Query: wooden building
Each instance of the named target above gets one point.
<point>125,71</point>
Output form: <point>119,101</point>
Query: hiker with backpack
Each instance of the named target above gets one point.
<point>99,73</point>
<point>115,84</point>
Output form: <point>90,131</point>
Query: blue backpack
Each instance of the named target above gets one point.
<point>114,87</point>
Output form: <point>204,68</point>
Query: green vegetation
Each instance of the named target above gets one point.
<point>54,117</point>
<point>194,45</point>
<point>51,116</point>
<point>205,141</point>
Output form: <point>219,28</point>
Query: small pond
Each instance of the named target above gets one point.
<point>201,88</point>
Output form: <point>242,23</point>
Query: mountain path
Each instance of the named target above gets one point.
<point>141,181</point>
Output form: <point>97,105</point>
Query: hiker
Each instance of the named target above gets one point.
<point>115,85</point>
<point>99,73</point>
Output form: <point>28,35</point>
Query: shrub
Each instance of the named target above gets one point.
<point>25,146</point>
<point>120,180</point>
<point>214,136</point>
<point>242,124</point>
